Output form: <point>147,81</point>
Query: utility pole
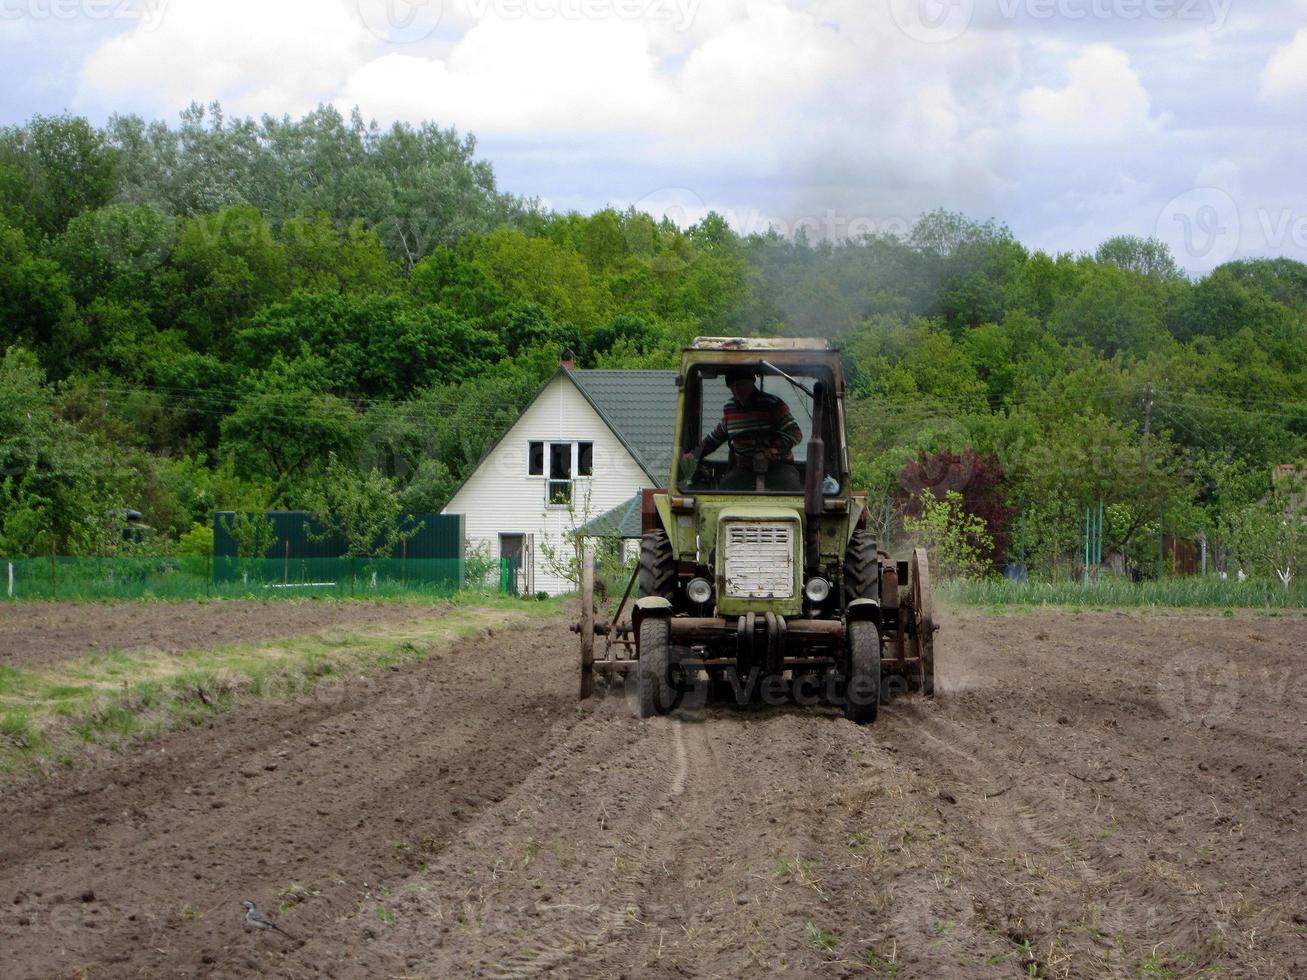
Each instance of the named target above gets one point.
<point>1148,415</point>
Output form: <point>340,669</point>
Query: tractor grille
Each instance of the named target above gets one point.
<point>760,561</point>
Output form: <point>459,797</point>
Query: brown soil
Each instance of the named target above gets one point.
<point>35,633</point>
<point>1091,795</point>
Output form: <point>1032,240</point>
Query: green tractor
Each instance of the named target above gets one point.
<point>757,575</point>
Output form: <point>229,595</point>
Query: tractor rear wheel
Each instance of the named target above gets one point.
<point>652,681</point>
<point>860,578</point>
<point>657,566</point>
<point>862,692</point>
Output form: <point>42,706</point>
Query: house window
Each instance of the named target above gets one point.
<point>560,473</point>
<point>560,463</point>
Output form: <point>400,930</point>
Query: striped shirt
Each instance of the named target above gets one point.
<point>764,423</point>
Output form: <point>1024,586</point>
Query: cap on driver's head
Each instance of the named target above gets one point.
<point>738,373</point>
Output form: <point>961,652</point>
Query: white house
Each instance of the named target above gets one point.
<point>586,444</point>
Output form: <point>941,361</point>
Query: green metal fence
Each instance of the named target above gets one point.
<point>198,576</point>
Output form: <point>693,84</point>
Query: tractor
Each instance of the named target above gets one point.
<point>757,574</point>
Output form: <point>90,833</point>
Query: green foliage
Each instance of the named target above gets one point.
<point>283,424</point>
<point>372,345</point>
<point>956,540</point>
<point>216,307</point>
<point>1269,536</point>
<point>197,541</point>
<point>61,166</point>
<point>361,508</point>
<point>57,485</point>
<point>253,534</point>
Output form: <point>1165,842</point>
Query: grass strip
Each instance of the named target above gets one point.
<point>1192,593</point>
<point>57,714</point>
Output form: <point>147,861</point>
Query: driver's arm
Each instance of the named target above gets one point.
<point>788,433</point>
<point>712,440</point>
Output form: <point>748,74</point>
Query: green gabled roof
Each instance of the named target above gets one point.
<point>640,408</point>
<point>623,521</point>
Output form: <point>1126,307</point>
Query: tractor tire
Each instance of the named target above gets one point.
<point>656,695</point>
<point>861,579</point>
<point>862,692</point>
<point>657,566</point>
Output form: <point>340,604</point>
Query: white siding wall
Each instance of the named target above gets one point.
<point>501,498</point>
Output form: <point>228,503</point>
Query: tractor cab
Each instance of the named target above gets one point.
<point>758,417</point>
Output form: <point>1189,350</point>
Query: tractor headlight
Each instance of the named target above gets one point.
<point>817,589</point>
<point>699,590</point>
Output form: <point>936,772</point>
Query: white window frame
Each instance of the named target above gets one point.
<point>547,477</point>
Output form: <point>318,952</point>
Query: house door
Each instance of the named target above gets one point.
<point>510,563</point>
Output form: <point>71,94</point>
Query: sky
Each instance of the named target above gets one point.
<point>1069,120</point>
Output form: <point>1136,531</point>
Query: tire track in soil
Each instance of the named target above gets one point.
<point>601,865</point>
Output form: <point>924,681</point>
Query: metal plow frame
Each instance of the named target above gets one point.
<point>906,626</point>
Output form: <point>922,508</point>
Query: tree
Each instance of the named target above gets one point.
<point>283,425</point>
<point>1146,256</point>
<point>112,252</point>
<point>362,509</point>
<point>956,540</point>
<point>974,478</point>
<point>66,167</point>
<point>57,486</point>
<point>253,534</point>
<point>1271,534</point>
<point>375,346</point>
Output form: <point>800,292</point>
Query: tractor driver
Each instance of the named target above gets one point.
<point>754,423</point>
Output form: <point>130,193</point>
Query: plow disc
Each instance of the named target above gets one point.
<point>921,676</point>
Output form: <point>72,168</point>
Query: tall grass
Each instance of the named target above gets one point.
<point>1175,593</point>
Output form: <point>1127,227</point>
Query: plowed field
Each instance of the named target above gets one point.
<point>1090,795</point>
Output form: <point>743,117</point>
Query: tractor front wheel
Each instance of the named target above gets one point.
<point>862,692</point>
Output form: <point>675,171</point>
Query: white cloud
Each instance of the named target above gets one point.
<point>759,108</point>
<point>284,56</point>
<point>520,75</point>
<point>1103,99</point>
<point>1285,75</point>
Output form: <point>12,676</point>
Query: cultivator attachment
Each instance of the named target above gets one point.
<point>769,644</point>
